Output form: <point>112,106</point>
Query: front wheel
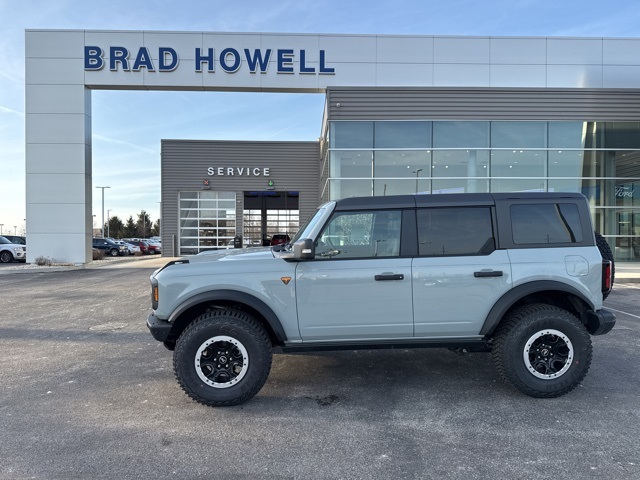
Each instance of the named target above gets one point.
<point>6,257</point>
<point>113,252</point>
<point>223,358</point>
<point>542,350</point>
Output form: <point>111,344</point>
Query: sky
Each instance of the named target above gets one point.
<point>127,126</point>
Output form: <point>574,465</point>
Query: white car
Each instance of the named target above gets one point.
<point>12,251</point>
<point>133,249</point>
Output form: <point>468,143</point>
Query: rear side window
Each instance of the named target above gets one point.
<point>455,231</point>
<point>546,224</point>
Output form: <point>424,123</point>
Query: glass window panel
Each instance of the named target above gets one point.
<point>188,203</point>
<point>622,135</point>
<point>545,223</point>
<point>569,163</point>
<point>518,163</point>
<point>567,134</point>
<point>188,223</point>
<point>460,134</point>
<point>208,203</point>
<point>406,186</point>
<point>518,185</point>
<point>351,135</point>
<point>227,196</point>
<point>188,195</point>
<point>188,214</point>
<point>208,195</point>
<point>401,134</point>
<point>400,164</point>
<point>624,164</point>
<point>349,188</point>
<point>627,193</point>
<point>461,185</point>
<point>460,163</point>
<point>351,164</point>
<point>189,242</point>
<point>455,231</point>
<point>518,134</point>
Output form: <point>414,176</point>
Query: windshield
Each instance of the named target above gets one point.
<point>4,240</point>
<point>308,226</point>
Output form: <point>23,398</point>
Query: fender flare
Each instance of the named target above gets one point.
<point>233,296</point>
<point>512,296</point>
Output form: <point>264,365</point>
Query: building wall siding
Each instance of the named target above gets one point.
<point>408,103</point>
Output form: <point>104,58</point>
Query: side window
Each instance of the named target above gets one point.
<point>546,223</point>
<point>455,231</point>
<point>368,234</point>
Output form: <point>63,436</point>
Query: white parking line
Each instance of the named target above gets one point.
<point>620,311</point>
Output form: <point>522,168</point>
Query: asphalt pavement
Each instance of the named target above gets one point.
<point>87,393</point>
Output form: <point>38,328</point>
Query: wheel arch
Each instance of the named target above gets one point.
<point>543,291</point>
<point>187,311</point>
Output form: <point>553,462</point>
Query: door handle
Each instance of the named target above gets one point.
<point>488,273</point>
<point>389,276</point>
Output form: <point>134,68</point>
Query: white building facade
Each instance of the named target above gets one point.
<point>403,114</point>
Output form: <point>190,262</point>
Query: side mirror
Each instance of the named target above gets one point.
<point>304,249</point>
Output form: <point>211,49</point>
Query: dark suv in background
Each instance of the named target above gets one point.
<point>109,247</point>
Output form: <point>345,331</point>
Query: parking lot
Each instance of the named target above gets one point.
<point>87,393</point>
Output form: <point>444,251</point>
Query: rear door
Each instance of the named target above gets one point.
<point>458,274</point>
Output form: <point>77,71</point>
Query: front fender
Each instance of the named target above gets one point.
<point>236,297</point>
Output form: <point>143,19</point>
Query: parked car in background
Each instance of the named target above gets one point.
<point>142,245</point>
<point>10,251</point>
<point>133,249</point>
<point>280,238</point>
<point>109,247</point>
<point>16,239</point>
<point>155,247</point>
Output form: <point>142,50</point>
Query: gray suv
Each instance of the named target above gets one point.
<point>520,275</point>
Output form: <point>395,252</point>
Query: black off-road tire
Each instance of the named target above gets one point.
<point>553,365</point>
<point>197,358</point>
<point>607,254</point>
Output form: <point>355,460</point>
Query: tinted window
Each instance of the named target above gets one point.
<point>546,223</point>
<point>367,234</point>
<point>455,231</point>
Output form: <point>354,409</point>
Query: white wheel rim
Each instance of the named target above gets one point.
<point>548,354</point>
<point>221,361</point>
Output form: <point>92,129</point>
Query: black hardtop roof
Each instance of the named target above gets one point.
<point>445,200</point>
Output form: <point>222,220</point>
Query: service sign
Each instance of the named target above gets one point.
<point>229,59</point>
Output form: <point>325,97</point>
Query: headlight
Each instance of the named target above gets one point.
<point>17,249</point>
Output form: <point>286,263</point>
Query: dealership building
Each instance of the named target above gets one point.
<point>403,114</point>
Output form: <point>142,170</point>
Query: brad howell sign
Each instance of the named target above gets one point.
<point>230,60</point>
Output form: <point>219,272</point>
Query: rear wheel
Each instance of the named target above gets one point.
<point>223,358</point>
<point>542,350</point>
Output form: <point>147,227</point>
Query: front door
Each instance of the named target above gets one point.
<point>358,287</point>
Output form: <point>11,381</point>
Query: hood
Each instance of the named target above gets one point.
<point>251,254</point>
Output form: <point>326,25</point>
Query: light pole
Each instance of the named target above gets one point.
<point>1,225</point>
<point>417,172</point>
<point>15,229</point>
<point>108,217</point>
<point>103,209</point>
